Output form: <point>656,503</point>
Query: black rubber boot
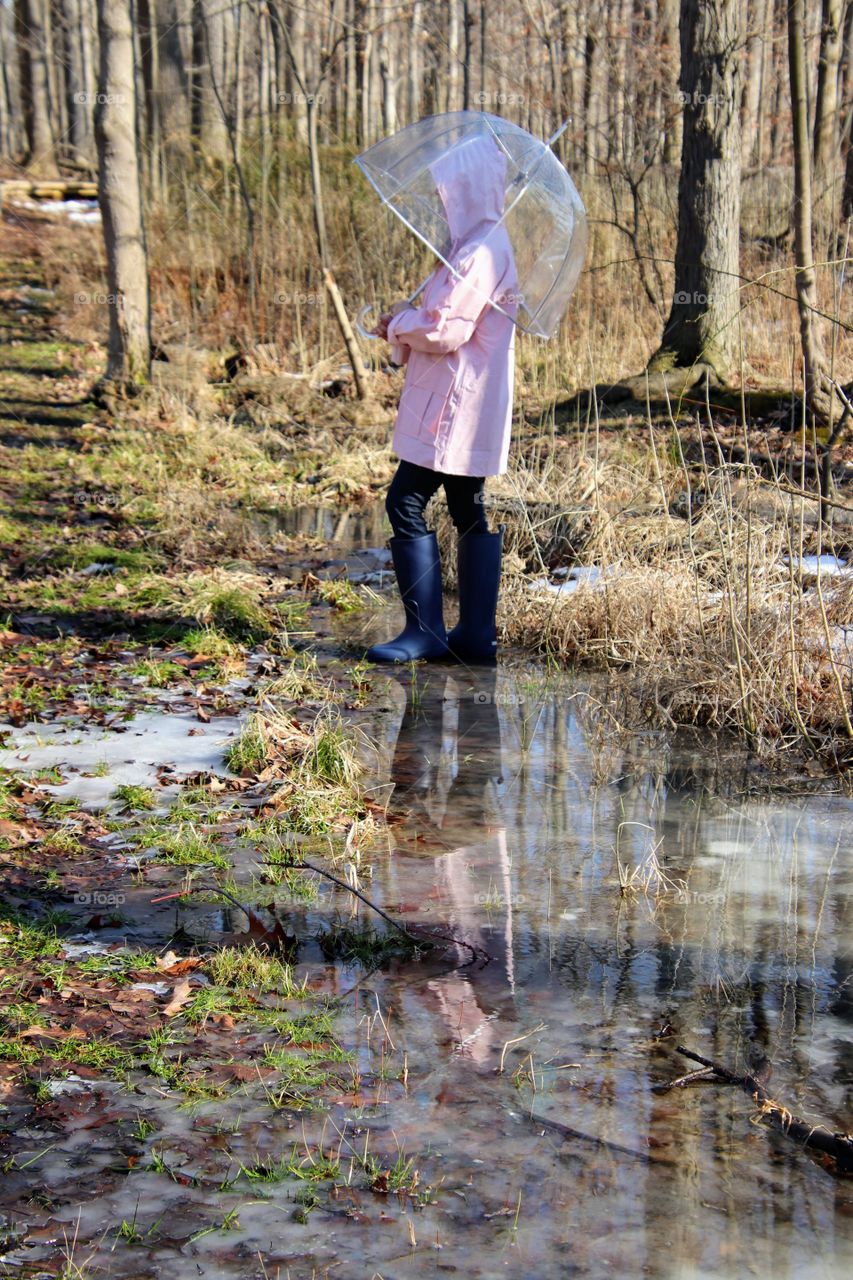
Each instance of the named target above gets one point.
<point>418,569</point>
<point>475,637</point>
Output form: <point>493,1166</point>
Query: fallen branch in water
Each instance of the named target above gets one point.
<point>604,1144</point>
<point>418,941</point>
<point>260,933</point>
<point>704,1073</point>
<point>838,1147</point>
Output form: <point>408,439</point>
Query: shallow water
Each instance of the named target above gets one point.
<point>515,800</point>
<point>516,803</point>
<point>341,526</point>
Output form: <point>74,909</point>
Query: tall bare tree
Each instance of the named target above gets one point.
<point>701,330</point>
<point>208,83</point>
<point>31,32</point>
<point>826,118</point>
<point>76,39</point>
<point>818,390</point>
<point>313,94</point>
<point>129,352</point>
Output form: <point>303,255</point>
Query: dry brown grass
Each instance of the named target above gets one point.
<point>714,614</point>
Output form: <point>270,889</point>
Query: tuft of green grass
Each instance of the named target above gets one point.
<point>184,846</point>
<point>158,673</point>
<point>63,842</point>
<point>332,757</point>
<point>236,613</point>
<point>341,595</point>
<point>135,797</point>
<point>81,554</point>
<point>248,967</point>
<point>249,752</point>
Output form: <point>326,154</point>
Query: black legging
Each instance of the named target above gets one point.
<point>411,490</point>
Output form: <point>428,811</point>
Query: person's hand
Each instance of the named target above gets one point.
<point>381,329</point>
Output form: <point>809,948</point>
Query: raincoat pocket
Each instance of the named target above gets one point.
<point>420,412</point>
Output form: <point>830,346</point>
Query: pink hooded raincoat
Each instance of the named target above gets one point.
<point>456,406</point>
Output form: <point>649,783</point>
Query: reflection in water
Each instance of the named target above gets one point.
<point>363,526</point>
<point>445,776</point>
<point>514,804</point>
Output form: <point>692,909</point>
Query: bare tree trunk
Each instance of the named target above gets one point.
<point>297,37</point>
<point>239,94</point>
<point>149,59</point>
<point>847,195</point>
<point>572,77</point>
<point>764,79</point>
<point>779,132</point>
<point>9,139</point>
<point>374,80</point>
<point>826,131</point>
<point>592,94</point>
<point>452,55</point>
<point>817,389</point>
<point>617,37</point>
<point>415,37</point>
<point>208,77</point>
<point>77,88</point>
<point>173,103</point>
<point>466,57</point>
<point>753,57</point>
<point>701,329</point>
<point>31,37</point>
<point>129,359</point>
<point>54,56</point>
<point>388,72</point>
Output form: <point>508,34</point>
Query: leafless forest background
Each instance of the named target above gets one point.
<point>229,94</point>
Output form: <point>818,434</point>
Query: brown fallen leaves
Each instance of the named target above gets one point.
<point>181,995</point>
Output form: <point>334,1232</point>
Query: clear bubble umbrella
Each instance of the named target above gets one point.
<point>542,212</point>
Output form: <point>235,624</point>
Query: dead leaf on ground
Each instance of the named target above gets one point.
<point>176,965</point>
<point>180,996</point>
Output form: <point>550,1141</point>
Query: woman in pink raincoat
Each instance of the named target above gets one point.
<point>453,423</point>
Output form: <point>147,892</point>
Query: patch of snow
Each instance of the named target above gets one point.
<point>131,752</point>
<point>580,575</point>
<point>81,950</point>
<point>74,210</point>
<point>71,1084</point>
<point>828,566</point>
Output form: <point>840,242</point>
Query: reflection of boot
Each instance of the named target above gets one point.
<point>418,569</point>
<point>417,753</point>
<point>478,744</point>
<point>475,637</point>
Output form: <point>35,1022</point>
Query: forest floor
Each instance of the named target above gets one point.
<point>135,668</point>
<point>181,724</point>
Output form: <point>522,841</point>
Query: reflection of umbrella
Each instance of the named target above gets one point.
<point>542,213</point>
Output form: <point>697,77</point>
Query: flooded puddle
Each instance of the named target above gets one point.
<point>607,896</point>
<point>629,899</point>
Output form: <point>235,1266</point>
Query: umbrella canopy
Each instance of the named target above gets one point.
<point>467,175</point>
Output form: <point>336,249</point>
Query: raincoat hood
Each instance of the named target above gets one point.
<point>471,181</point>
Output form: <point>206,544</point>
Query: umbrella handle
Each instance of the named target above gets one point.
<point>361,322</point>
<point>361,319</point>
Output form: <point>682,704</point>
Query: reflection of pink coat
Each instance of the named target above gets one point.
<point>456,406</point>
